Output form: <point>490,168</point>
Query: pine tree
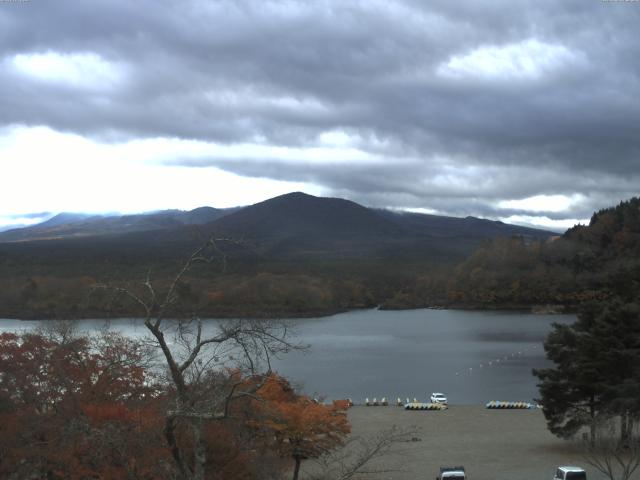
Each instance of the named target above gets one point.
<point>597,369</point>
<point>570,394</point>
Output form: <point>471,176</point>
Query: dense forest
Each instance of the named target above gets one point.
<point>297,273</point>
<point>586,263</point>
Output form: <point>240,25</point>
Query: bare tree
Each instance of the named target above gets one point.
<point>609,454</point>
<point>360,455</point>
<point>208,364</point>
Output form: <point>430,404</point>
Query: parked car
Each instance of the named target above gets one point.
<point>438,398</point>
<point>452,473</point>
<point>570,473</point>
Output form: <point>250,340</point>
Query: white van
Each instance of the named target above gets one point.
<point>452,473</point>
<point>570,473</point>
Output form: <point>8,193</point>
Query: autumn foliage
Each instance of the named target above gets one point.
<point>300,427</point>
<point>77,407</point>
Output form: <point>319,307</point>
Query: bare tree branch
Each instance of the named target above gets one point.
<point>360,454</point>
<point>203,393</point>
<point>616,459</point>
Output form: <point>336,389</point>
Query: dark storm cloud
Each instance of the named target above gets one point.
<point>283,72</point>
<point>417,184</point>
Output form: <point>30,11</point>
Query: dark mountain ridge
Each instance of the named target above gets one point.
<point>298,224</point>
<point>294,225</point>
<point>298,214</point>
<point>70,225</point>
<point>298,255</point>
<point>443,226</point>
<point>292,221</point>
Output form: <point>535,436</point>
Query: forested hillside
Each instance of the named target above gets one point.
<point>298,255</point>
<point>288,256</point>
<point>586,263</point>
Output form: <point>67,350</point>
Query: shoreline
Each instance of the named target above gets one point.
<point>533,309</point>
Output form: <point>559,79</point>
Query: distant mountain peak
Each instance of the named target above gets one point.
<point>65,218</point>
<point>296,195</point>
<point>66,225</point>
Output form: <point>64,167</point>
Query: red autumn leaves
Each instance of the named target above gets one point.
<point>77,407</point>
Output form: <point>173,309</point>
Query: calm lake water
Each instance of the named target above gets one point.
<point>471,356</point>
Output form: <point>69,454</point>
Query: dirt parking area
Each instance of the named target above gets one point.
<point>490,444</point>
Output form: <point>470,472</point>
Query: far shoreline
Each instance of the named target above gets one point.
<point>288,315</point>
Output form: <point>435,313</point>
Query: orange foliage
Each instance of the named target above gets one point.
<point>72,409</point>
<point>83,408</point>
<point>341,405</point>
<point>299,427</point>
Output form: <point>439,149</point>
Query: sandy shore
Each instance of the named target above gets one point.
<point>490,444</point>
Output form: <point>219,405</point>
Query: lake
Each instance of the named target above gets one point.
<point>471,356</point>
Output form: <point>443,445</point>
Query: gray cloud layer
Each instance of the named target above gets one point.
<point>283,72</point>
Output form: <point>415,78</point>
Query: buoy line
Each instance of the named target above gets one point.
<point>497,361</point>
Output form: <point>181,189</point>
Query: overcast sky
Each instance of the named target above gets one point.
<point>524,111</point>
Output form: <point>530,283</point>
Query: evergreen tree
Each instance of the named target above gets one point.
<point>570,393</point>
<point>597,369</point>
<point>616,325</point>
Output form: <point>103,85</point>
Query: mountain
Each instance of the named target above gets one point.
<point>300,224</point>
<point>295,254</point>
<point>64,219</point>
<point>73,225</point>
<point>291,224</point>
<point>19,223</point>
<point>301,214</point>
<point>297,214</point>
<point>442,226</point>
<point>202,215</point>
